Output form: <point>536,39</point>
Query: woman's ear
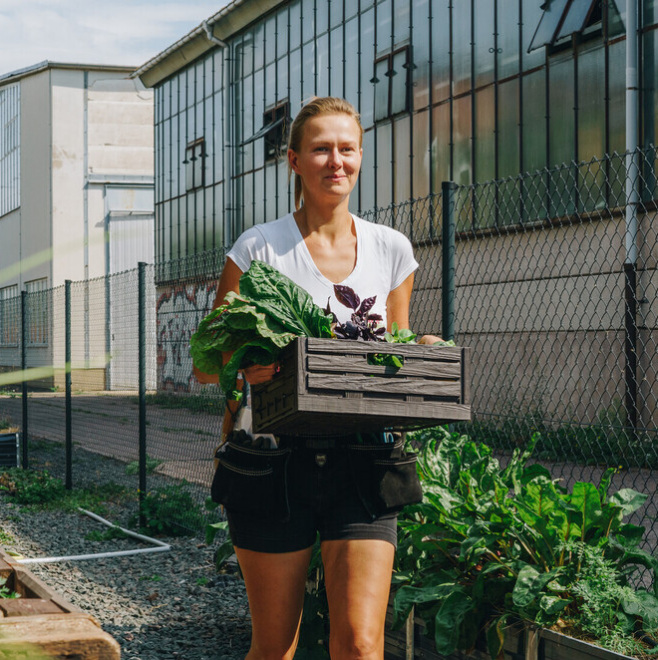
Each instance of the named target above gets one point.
<point>292,160</point>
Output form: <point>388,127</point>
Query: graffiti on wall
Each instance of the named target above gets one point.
<point>179,310</point>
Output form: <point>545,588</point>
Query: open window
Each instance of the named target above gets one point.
<point>563,18</point>
<point>274,131</point>
<point>392,83</point>
<point>195,156</point>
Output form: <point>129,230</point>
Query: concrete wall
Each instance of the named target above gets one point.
<point>543,311</point>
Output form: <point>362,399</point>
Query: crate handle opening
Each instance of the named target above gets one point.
<point>386,360</point>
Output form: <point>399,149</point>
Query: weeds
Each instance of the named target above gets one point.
<point>151,464</point>
<point>170,511</point>
<point>41,489</point>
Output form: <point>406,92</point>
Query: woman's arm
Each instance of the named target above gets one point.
<point>397,309</point>
<point>256,373</point>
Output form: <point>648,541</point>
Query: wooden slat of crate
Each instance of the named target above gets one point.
<point>327,385</point>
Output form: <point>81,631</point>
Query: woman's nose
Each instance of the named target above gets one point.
<point>335,159</point>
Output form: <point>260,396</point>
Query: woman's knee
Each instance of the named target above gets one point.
<point>356,644</point>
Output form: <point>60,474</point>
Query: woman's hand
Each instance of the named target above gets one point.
<point>257,374</point>
<point>429,339</point>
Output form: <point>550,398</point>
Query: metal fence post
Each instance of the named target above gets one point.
<point>24,425</point>
<point>141,302</point>
<point>67,383</point>
<point>448,261</point>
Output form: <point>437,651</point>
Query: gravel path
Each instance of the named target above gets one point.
<point>158,606</point>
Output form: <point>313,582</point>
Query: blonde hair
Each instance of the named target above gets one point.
<point>319,105</point>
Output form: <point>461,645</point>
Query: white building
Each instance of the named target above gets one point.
<point>76,192</point>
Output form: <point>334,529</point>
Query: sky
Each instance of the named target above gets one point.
<point>123,32</point>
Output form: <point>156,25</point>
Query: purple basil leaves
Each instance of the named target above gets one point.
<point>362,325</point>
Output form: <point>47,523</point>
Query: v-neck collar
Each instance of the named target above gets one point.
<point>309,259</point>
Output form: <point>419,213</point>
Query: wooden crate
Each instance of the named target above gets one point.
<point>327,386</point>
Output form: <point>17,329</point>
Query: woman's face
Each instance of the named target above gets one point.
<point>329,157</point>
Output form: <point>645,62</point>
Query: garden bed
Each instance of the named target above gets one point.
<point>35,616</point>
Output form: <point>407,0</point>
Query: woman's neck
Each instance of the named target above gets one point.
<point>334,221</point>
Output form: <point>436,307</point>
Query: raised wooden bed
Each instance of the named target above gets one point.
<point>41,620</point>
<point>328,386</point>
<point>520,644</point>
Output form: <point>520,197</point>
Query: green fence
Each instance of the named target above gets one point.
<point>549,277</point>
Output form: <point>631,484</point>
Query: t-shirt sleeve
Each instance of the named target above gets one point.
<point>247,247</point>
<point>403,262</point>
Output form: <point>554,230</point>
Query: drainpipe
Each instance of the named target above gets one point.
<point>228,175</point>
<point>211,37</point>
<point>632,202</point>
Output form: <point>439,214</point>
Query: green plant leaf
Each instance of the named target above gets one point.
<point>530,583</point>
<point>628,500</point>
<point>448,620</point>
<point>644,605</point>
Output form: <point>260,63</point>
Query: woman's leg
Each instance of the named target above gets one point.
<point>357,576</point>
<point>275,584</point>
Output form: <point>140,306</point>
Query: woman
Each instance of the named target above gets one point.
<point>317,246</point>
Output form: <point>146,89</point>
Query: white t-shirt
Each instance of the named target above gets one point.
<point>384,259</point>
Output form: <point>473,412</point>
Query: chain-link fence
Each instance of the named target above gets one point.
<point>552,284</point>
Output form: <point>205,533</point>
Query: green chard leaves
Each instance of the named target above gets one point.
<point>255,325</point>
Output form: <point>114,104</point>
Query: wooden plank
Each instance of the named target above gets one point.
<point>28,607</point>
<point>356,383</point>
<point>351,347</point>
<point>359,365</point>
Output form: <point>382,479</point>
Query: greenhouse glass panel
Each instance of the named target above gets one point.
<point>533,122</point>
<point>308,20</point>
<point>422,146</point>
<point>440,26</point>
<point>508,129</point>
<point>485,126</point>
<point>367,176</point>
<point>650,87</point>
<point>321,16</point>
<point>281,33</point>
<point>175,83</point>
<point>421,55</point>
<point>282,87</point>
<point>399,77</point>
<point>308,70</point>
<point>322,58</point>
<point>295,20</point>
<point>561,111</point>
<point>247,184</point>
<point>382,89</point>
<point>402,163</point>
<point>367,67</point>
<point>336,12</point>
<point>531,15</point>
<point>508,38</point>
<point>401,22</point>
<point>351,72</point>
<point>258,192</point>
<point>461,43</point>
<point>384,27</point>
<point>270,85</point>
<point>336,63</point>
<point>649,12</point>
<point>295,81</point>
<point>384,166</point>
<point>271,193</point>
<point>462,141</point>
<point>245,55</point>
<point>259,47</point>
<point>591,103</point>
<point>483,49</point>
<point>440,145</point>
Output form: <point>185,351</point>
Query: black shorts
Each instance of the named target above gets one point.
<point>278,500</point>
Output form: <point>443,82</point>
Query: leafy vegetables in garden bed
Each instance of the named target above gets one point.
<point>488,544</point>
<point>268,313</point>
